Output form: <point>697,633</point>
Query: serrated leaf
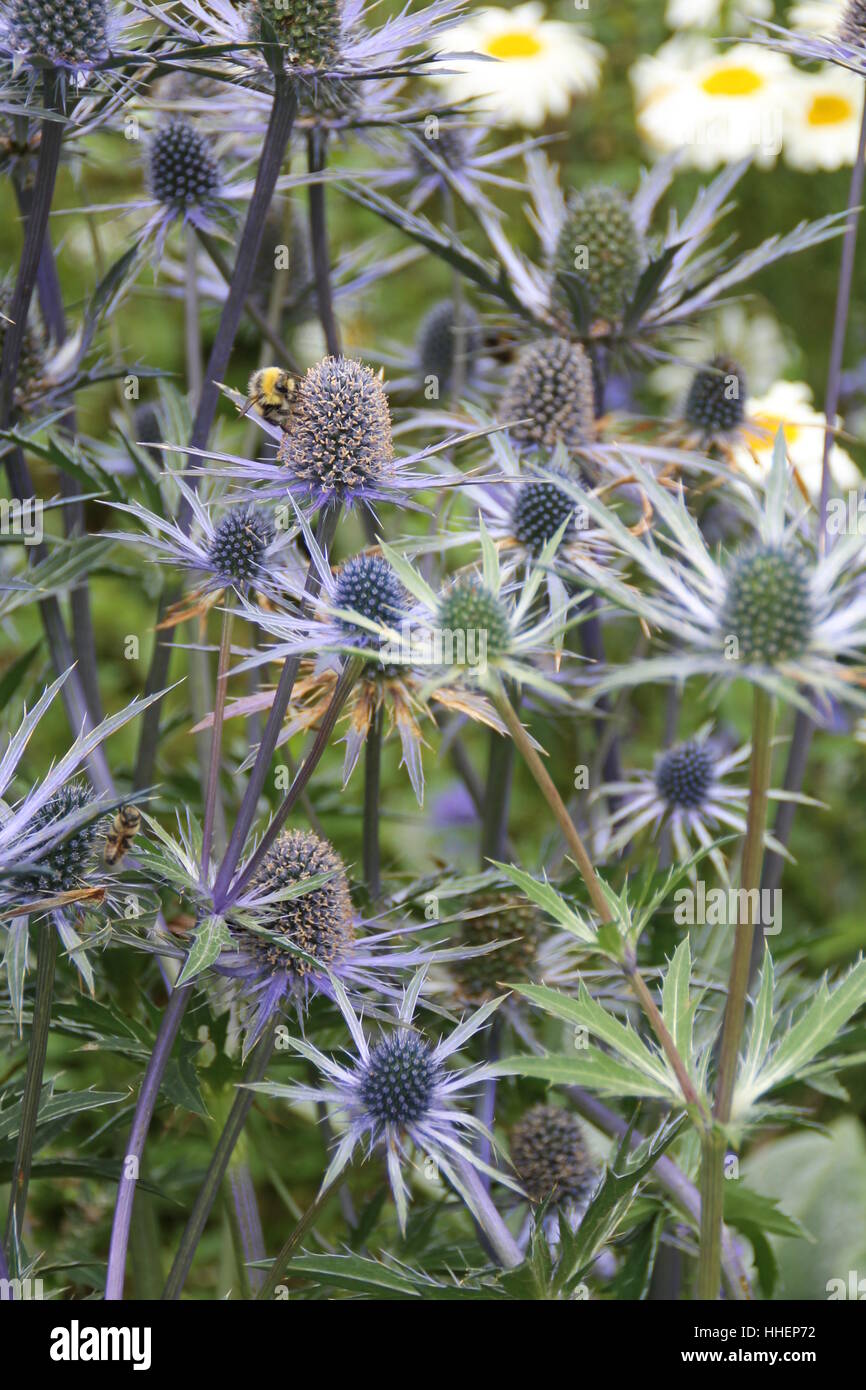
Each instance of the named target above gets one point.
<point>211,937</point>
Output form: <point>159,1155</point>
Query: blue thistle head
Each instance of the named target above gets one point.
<point>716,400</point>
<point>601,249</point>
<point>440,340</point>
<point>320,922</point>
<point>470,607</point>
<point>684,775</point>
<point>368,585</point>
<point>540,508</point>
<point>240,540</point>
<point>183,171</point>
<point>309,30</point>
<point>69,34</point>
<point>66,865</point>
<point>399,1080</point>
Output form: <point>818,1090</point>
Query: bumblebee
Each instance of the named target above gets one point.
<point>272,394</point>
<point>124,828</point>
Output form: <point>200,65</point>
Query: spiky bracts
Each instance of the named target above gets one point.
<point>550,391</point>
<point>600,252</point>
<point>768,606</point>
<point>339,440</point>
<point>550,1157</point>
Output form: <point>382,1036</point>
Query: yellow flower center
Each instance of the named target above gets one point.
<point>765,429</point>
<point>732,82</point>
<point>829,110</point>
<point>517,44</point>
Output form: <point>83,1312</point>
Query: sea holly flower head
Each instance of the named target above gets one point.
<point>338,446</point>
<point>230,547</point>
<point>183,172</point>
<point>549,396</point>
<point>550,1156</point>
<point>779,612</point>
<point>327,45</point>
<point>398,1090</point>
<point>599,253</point>
<point>690,792</point>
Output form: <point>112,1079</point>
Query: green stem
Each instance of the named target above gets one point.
<point>763,718</point>
<point>593,883</point>
<point>269,1287</point>
<point>497,798</point>
<point>46,958</point>
<point>713,1142</point>
<point>712,1202</point>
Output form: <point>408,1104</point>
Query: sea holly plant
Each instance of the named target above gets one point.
<point>375,957</point>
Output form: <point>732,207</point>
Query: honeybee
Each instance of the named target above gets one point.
<point>124,828</point>
<point>272,393</point>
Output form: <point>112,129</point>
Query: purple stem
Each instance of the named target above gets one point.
<point>288,675</point>
<point>157,1063</point>
<point>299,783</point>
<point>274,147</point>
<point>249,1221</point>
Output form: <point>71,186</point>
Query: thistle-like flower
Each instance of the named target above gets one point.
<point>776,613</point>
<point>397,1090</point>
<point>51,33</point>
<point>599,253</point>
<point>688,793</point>
<point>549,1153</point>
<point>239,549</point>
<point>684,275</point>
<point>443,343</point>
<point>184,174</point>
<point>550,396</point>
<point>49,837</point>
<point>715,406</point>
<point>325,44</point>
<point>361,610</point>
<point>339,445</point>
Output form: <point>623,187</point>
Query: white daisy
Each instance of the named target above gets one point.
<point>704,14</point>
<point>720,105</point>
<point>789,404</point>
<point>539,64</point>
<point>822,122</point>
<point>817,16</point>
